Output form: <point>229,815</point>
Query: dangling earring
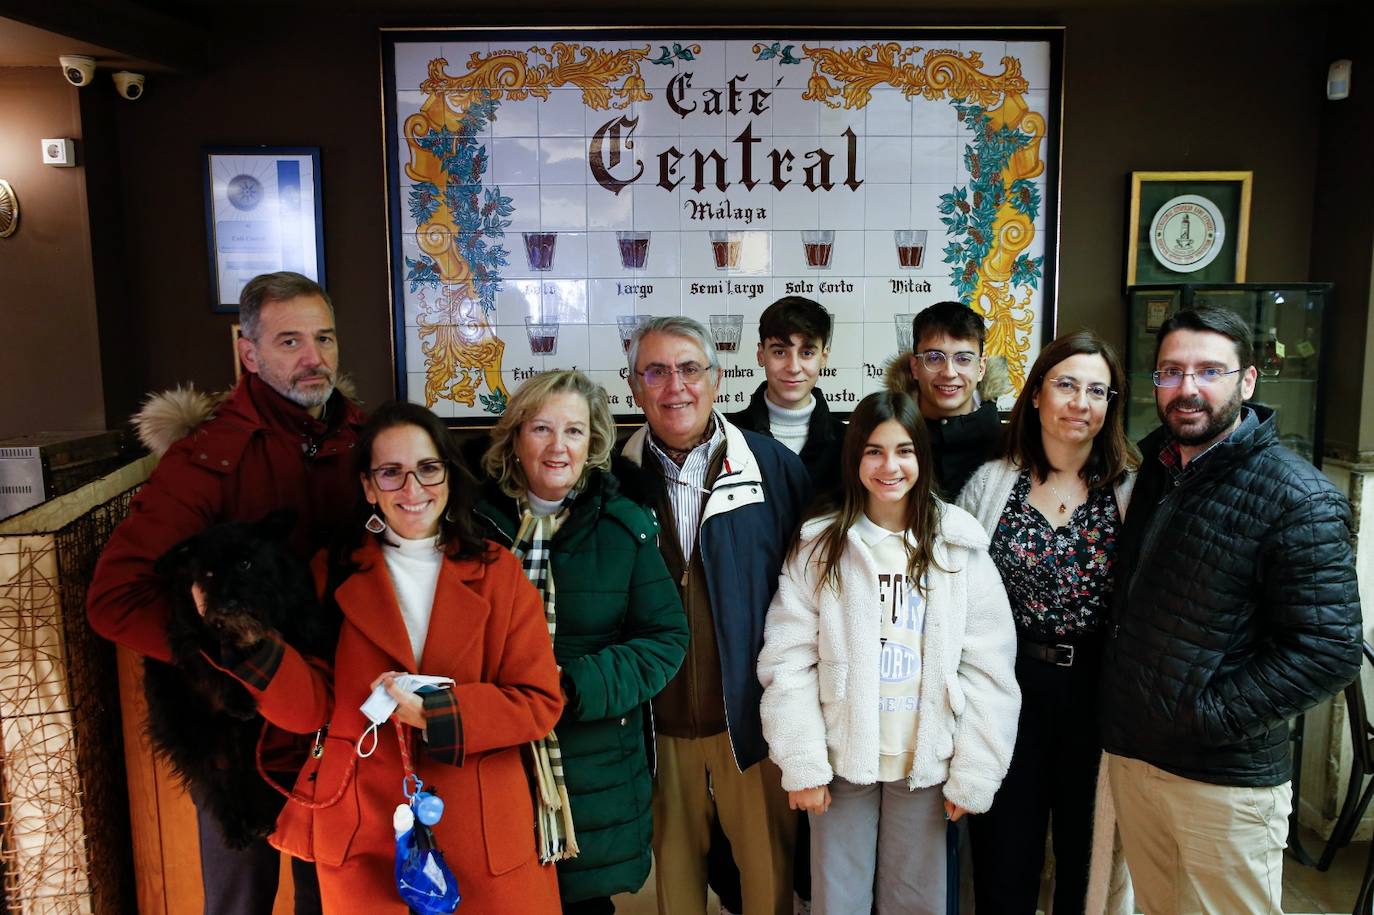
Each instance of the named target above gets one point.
<point>374,522</point>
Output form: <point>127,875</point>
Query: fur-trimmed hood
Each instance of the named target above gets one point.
<point>167,417</point>
<point>996,381</point>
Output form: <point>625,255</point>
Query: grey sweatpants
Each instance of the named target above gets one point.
<point>884,838</point>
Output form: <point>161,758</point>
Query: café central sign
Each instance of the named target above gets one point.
<point>614,137</point>
<point>550,194</point>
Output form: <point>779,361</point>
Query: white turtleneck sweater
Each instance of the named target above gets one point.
<point>414,568</point>
<point>789,426</point>
<point>542,507</point>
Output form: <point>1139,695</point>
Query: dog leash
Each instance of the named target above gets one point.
<point>317,751</point>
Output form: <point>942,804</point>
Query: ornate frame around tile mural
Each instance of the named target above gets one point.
<point>547,189</point>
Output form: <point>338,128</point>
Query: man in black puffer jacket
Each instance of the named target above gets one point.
<point>1236,609</point>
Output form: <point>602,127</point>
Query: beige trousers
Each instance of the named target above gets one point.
<point>1196,847</point>
<point>698,782</point>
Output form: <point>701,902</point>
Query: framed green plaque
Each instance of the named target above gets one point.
<point>1189,227</point>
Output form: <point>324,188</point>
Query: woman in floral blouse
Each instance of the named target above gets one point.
<point>1053,505</point>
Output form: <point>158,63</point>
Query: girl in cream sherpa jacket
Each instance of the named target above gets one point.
<point>820,668</point>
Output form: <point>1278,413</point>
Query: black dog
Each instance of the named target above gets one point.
<point>200,719</point>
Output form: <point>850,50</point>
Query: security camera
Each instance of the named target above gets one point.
<point>78,70</point>
<point>129,85</point>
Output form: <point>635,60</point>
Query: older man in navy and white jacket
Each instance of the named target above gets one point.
<point>729,502</point>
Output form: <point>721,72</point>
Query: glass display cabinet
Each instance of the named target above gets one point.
<point>1288,321</point>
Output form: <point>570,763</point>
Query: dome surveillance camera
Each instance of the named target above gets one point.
<point>78,69</point>
<point>129,85</point>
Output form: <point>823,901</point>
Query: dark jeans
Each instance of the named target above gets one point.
<point>1053,774</point>
<point>244,881</point>
<point>597,905</point>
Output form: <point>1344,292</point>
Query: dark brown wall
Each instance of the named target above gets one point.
<point>1187,91</point>
<point>324,91</point>
<point>1144,90</point>
<point>1343,241</point>
<point>49,349</point>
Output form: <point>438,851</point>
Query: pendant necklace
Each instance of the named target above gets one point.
<point>1063,503</point>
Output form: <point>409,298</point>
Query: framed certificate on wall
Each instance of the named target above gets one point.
<point>262,214</point>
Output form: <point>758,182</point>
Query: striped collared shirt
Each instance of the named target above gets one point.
<point>687,484</point>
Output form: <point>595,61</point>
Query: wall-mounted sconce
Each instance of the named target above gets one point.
<point>9,209</point>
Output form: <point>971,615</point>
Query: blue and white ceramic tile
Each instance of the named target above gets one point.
<point>514,161</point>
<point>933,118</point>
<point>1035,64</point>
<point>887,160</point>
<point>563,207</point>
<point>562,114</point>
<point>889,114</point>
<point>516,118</point>
<point>793,116</point>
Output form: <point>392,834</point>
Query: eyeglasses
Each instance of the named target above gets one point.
<point>656,376</point>
<point>1172,378</point>
<point>391,477</point>
<point>1067,387</point>
<point>934,359</point>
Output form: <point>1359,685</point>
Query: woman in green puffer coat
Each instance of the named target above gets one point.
<point>617,623</point>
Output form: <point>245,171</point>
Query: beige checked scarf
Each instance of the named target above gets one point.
<point>553,819</point>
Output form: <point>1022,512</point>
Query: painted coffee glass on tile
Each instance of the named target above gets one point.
<point>634,249</point>
<point>911,247</point>
<point>627,325</point>
<point>818,244</point>
<point>543,334</point>
<point>726,330</point>
<point>725,248</point>
<point>904,341</point>
<point>539,249</point>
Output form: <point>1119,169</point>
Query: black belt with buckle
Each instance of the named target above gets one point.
<point>1060,654</point>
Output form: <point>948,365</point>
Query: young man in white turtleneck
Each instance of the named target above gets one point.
<point>794,344</point>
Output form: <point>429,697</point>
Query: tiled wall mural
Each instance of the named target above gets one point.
<point>546,196</point>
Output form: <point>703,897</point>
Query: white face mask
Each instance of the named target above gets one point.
<point>380,705</point>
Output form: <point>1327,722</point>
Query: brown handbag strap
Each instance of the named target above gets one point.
<point>316,751</point>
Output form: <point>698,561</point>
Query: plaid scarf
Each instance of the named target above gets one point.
<point>553,819</point>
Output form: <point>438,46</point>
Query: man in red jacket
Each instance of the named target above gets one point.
<point>282,439</point>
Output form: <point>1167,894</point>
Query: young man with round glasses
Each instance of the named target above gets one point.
<point>1235,610</point>
<point>943,374</point>
<point>728,501</point>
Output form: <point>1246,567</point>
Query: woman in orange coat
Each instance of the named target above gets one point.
<point>420,593</point>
